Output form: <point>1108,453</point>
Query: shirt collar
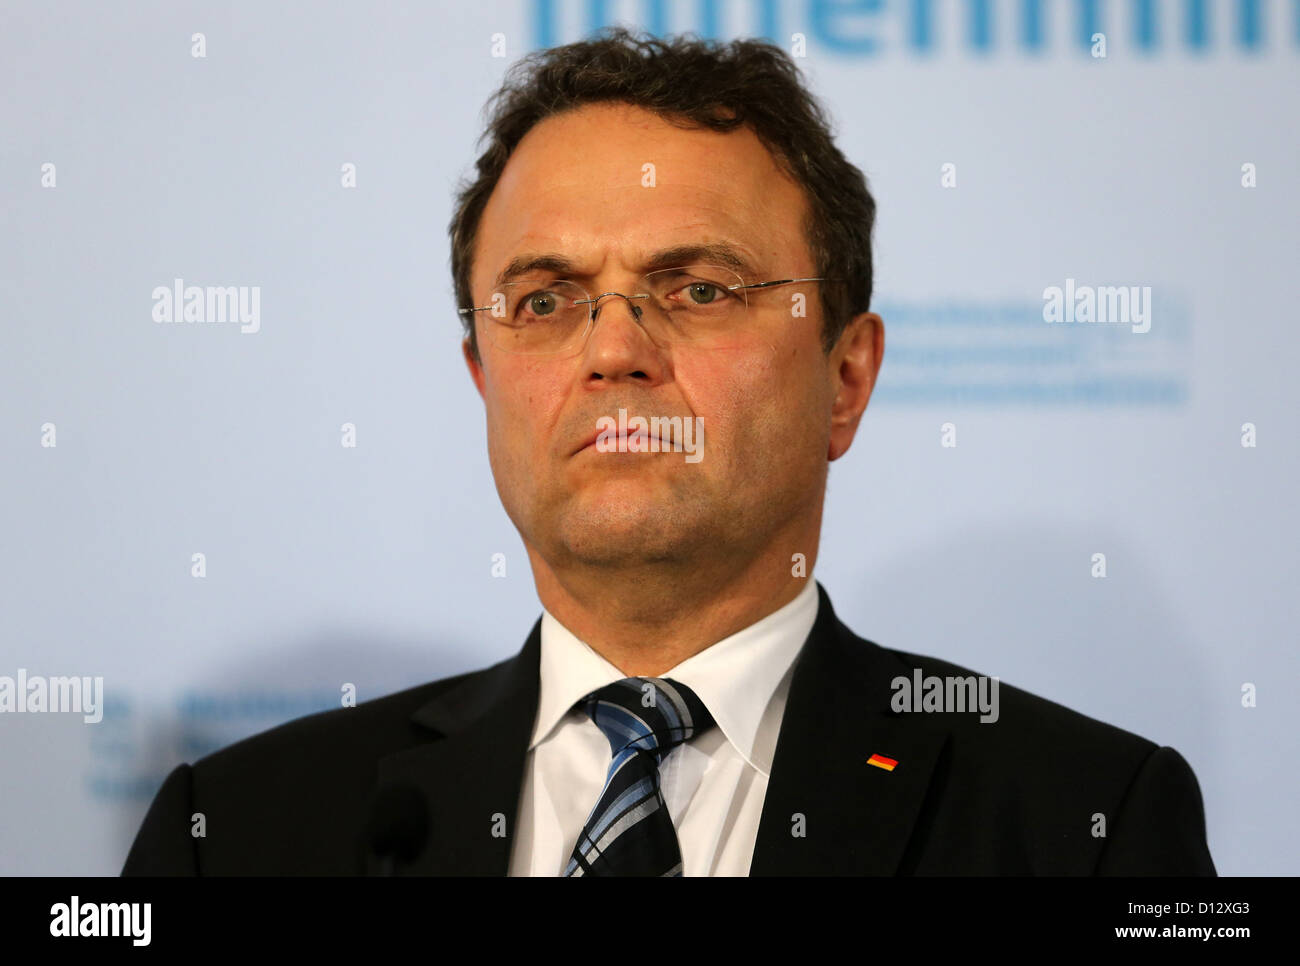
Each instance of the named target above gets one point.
<point>736,678</point>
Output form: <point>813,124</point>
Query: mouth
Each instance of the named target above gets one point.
<point>633,441</point>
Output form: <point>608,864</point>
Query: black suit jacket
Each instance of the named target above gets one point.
<point>1018,796</point>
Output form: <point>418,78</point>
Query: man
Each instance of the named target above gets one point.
<point>664,268</point>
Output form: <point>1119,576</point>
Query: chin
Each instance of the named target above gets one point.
<point>627,524</point>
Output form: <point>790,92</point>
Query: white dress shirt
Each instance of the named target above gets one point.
<point>713,785</point>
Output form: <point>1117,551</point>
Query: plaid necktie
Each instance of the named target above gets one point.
<point>630,831</point>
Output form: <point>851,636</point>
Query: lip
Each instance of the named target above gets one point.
<point>590,440</point>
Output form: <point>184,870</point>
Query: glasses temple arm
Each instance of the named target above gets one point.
<point>783,281</point>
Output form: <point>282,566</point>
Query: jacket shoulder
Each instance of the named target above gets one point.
<point>370,726</point>
<point>1030,721</point>
<point>289,800</point>
<point>343,743</point>
<point>1038,788</point>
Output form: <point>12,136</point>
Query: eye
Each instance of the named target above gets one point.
<point>702,293</point>
<point>541,303</point>
<point>699,293</point>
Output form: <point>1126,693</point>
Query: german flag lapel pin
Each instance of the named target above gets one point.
<point>880,761</point>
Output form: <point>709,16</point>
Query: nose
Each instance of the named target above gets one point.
<point>618,347</point>
<point>637,311</point>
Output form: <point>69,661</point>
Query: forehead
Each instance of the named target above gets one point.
<point>609,185</point>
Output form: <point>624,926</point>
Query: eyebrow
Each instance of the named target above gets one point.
<point>714,253</point>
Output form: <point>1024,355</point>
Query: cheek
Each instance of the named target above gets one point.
<point>747,392</point>
<point>521,401</point>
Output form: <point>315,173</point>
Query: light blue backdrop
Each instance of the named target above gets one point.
<point>372,565</point>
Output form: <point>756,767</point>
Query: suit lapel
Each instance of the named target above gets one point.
<point>471,776</point>
<point>856,818</point>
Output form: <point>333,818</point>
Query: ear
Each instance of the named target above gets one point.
<point>475,366</point>
<point>855,363</point>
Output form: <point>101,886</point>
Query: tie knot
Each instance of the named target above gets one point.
<point>652,715</point>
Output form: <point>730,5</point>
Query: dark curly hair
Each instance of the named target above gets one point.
<point>701,83</point>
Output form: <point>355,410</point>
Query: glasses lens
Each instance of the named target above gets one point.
<point>536,316</point>
<point>698,302</point>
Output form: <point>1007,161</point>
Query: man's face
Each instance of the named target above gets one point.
<point>576,187</point>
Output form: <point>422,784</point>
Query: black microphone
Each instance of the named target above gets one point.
<point>398,827</point>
